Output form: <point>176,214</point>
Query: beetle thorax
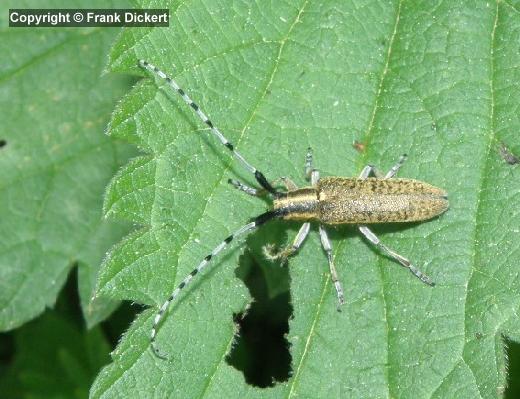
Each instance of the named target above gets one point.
<point>300,204</point>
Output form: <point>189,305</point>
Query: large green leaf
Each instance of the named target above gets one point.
<point>438,81</point>
<point>55,163</point>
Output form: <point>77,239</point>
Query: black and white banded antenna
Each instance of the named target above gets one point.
<point>249,227</point>
<point>259,176</point>
<point>246,229</point>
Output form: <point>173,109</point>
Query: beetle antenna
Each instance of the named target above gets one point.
<point>259,176</point>
<point>259,220</point>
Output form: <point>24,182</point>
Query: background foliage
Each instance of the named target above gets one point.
<point>55,163</point>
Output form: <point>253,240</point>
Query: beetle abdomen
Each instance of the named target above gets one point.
<point>373,200</point>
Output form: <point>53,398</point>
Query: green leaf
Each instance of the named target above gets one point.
<point>435,80</point>
<point>55,164</point>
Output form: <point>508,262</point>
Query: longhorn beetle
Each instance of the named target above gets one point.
<point>328,201</point>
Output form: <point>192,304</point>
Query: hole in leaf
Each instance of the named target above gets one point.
<point>261,349</point>
<point>513,369</point>
<point>3,143</point>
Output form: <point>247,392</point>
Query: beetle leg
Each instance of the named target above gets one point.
<point>325,242</point>
<point>393,171</point>
<point>310,173</point>
<point>367,170</point>
<point>308,164</point>
<point>315,176</point>
<point>287,182</point>
<point>395,256</point>
<point>270,253</point>
<point>260,192</point>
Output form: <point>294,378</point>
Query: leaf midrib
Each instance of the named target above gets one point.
<point>248,122</point>
<point>477,232</point>
<point>340,246</point>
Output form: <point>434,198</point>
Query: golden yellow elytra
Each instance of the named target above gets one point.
<point>338,200</point>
